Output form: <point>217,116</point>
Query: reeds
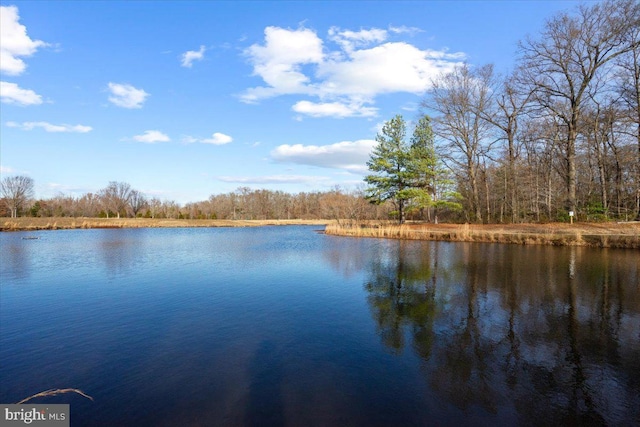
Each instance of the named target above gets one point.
<point>28,223</point>
<point>464,233</point>
<point>55,392</point>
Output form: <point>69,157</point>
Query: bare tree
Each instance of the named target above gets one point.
<point>458,98</point>
<point>89,205</point>
<point>561,66</point>
<point>155,206</point>
<point>511,101</point>
<point>137,202</point>
<point>116,197</point>
<point>628,79</point>
<point>16,191</point>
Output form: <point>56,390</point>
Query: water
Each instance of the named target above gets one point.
<point>286,326</point>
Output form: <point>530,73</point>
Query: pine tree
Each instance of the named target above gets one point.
<point>432,184</point>
<point>392,176</point>
<point>410,175</point>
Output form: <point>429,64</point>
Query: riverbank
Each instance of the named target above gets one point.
<point>604,235</point>
<point>64,223</point>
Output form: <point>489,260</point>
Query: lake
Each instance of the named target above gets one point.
<point>287,326</point>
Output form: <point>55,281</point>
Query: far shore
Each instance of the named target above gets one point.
<point>606,235</point>
<point>66,223</point>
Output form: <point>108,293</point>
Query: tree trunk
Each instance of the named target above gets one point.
<point>571,167</point>
<point>512,188</point>
<point>638,173</point>
<point>475,193</point>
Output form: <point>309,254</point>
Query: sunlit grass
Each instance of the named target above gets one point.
<point>27,223</point>
<point>609,236</point>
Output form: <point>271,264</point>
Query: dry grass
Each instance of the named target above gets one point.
<point>17,224</point>
<point>613,235</point>
<point>55,392</point>
<point>608,235</point>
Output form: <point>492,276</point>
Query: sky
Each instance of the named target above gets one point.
<point>183,99</point>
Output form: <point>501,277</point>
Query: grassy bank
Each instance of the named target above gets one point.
<point>607,235</point>
<point>21,224</point>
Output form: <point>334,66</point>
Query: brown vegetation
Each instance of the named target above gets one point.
<point>605,235</point>
<point>55,392</point>
<point>30,223</point>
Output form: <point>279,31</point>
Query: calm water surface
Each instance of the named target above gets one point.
<point>286,326</point>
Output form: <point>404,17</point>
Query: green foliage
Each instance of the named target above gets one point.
<point>390,163</point>
<point>108,214</point>
<point>563,216</point>
<point>596,212</point>
<point>409,175</point>
<point>35,209</point>
<point>596,208</point>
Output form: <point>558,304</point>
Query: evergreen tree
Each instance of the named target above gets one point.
<point>423,164</point>
<point>432,186</point>
<point>409,175</point>
<point>392,177</point>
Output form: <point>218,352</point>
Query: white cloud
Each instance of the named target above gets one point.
<point>273,179</point>
<point>333,109</point>
<point>278,62</point>
<point>57,188</point>
<point>386,68</point>
<point>411,106</point>
<point>14,42</point>
<point>6,169</point>
<point>151,137</point>
<point>192,55</point>
<point>186,139</point>
<point>377,128</point>
<point>347,155</point>
<point>51,127</point>
<point>403,29</point>
<point>127,96</point>
<point>216,139</point>
<point>346,80</point>
<point>11,93</point>
<point>349,40</point>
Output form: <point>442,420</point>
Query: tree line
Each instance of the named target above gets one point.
<point>560,134</point>
<point>119,199</point>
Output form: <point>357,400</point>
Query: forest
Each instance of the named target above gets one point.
<point>558,134</point>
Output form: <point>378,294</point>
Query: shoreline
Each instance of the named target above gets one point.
<point>604,235</point>
<point>70,223</point>
<point>600,235</point>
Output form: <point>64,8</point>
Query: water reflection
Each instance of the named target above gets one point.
<point>538,334</point>
<point>16,256</point>
<point>401,293</point>
<point>118,249</point>
<point>285,326</point>
<point>265,404</point>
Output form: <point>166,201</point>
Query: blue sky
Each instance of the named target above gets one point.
<point>187,99</point>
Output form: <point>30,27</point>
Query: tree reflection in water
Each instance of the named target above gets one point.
<point>402,297</point>
<point>538,334</point>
